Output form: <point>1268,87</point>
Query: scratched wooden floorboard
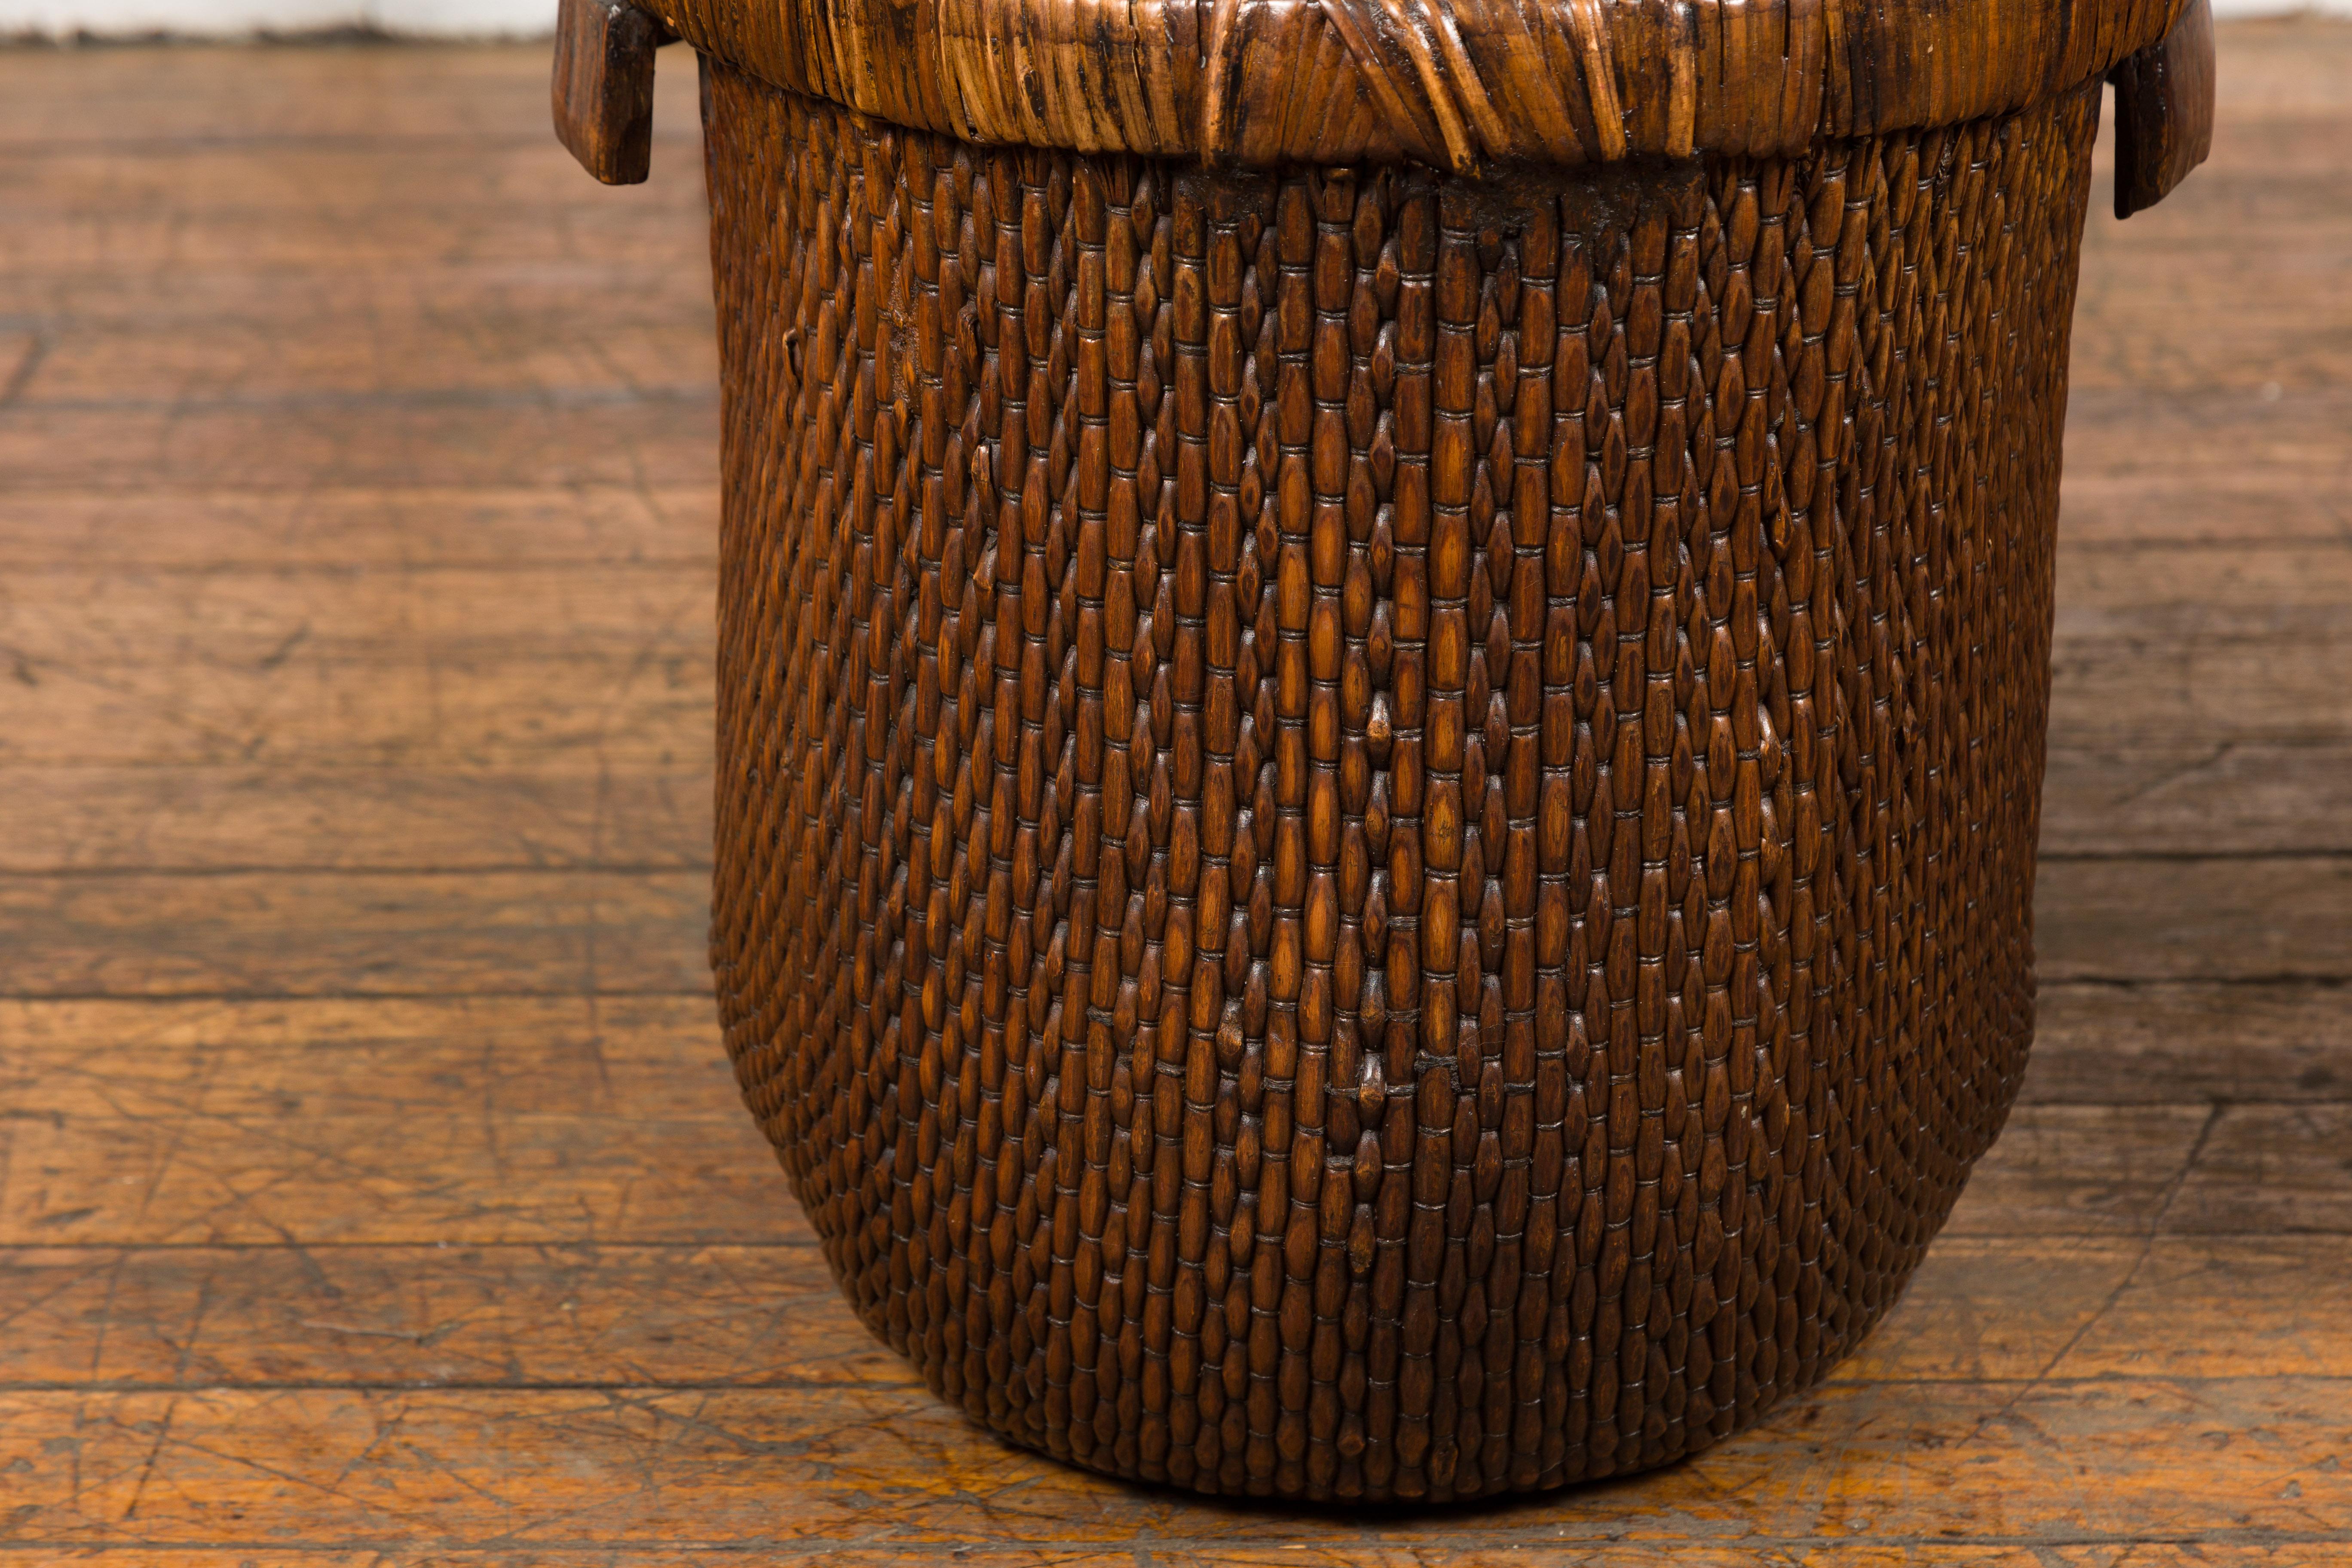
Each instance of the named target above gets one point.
<point>89,817</point>
<point>1310,1554</point>
<point>740,1314</point>
<point>633,928</point>
<point>293,525</point>
<point>372,1189</point>
<point>319,703</point>
<point>1884,1552</point>
<point>79,813</point>
<point>872,1461</point>
<point>87,814</point>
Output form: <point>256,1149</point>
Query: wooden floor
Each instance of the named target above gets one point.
<point>372,1189</point>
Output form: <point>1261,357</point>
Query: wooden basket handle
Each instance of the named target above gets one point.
<point>604,87</point>
<point>2164,111</point>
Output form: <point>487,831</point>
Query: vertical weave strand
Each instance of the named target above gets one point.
<point>1376,833</point>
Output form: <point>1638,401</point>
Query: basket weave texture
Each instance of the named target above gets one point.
<point>1375,831</point>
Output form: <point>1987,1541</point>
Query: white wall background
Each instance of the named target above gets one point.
<point>466,18</point>
<point>240,18</point>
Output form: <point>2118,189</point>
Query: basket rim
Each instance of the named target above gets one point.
<point>1459,84</point>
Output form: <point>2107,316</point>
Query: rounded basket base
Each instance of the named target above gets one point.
<point>1376,832</point>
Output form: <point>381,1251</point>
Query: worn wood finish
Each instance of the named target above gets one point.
<point>1455,84</point>
<point>2164,112</point>
<point>255,1347</point>
<point>604,87</point>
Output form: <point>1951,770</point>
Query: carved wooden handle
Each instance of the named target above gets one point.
<point>604,88</point>
<point>2164,112</point>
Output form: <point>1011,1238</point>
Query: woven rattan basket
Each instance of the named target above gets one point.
<point>1381,682</point>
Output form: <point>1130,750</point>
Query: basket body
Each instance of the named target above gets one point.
<point>1375,831</point>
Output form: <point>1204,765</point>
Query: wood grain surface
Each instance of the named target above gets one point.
<point>2164,112</point>
<point>604,88</point>
<point>1457,85</point>
<point>371,1186</point>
